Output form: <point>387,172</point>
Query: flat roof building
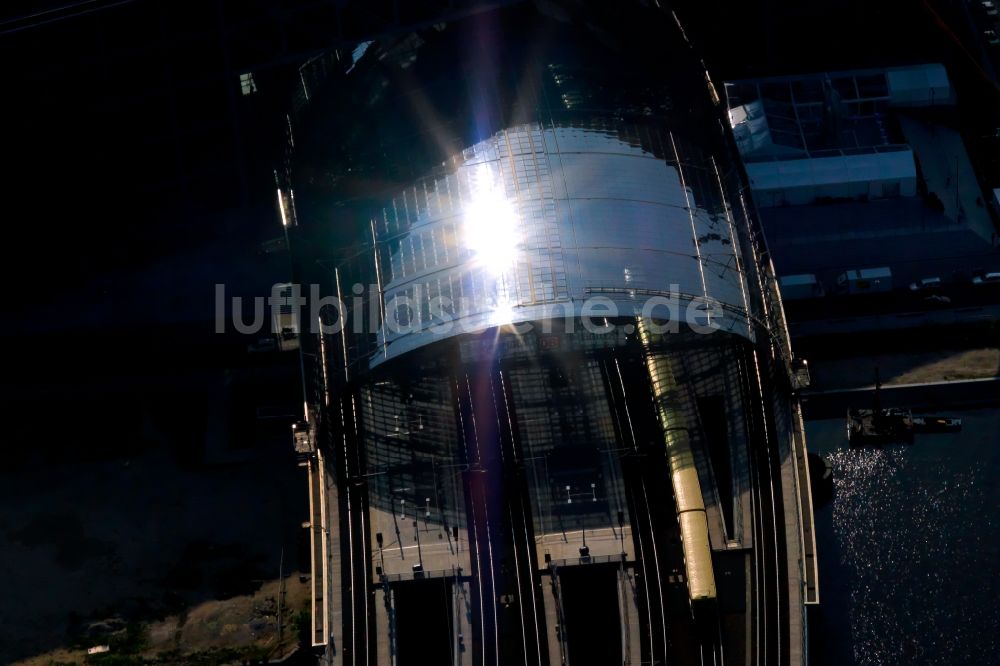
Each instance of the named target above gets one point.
<point>828,136</point>
<point>859,169</point>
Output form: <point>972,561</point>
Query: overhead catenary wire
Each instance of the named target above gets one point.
<point>54,15</point>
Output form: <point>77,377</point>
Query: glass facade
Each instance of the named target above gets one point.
<point>539,215</point>
<point>534,165</point>
<point>467,181</point>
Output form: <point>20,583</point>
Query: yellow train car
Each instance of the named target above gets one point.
<point>697,555</point>
<point>684,479</point>
<point>687,487</point>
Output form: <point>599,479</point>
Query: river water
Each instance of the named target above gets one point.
<point>909,548</point>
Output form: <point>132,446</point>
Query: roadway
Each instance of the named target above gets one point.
<point>980,19</point>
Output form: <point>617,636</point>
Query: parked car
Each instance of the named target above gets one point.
<point>926,284</point>
<point>263,345</point>
<point>800,287</point>
<point>937,299</point>
<point>988,278</point>
<point>989,7</point>
<point>865,281</point>
<point>991,37</point>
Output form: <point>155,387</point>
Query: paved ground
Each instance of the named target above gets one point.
<point>948,172</point>
<point>605,542</point>
<point>913,240</point>
<point>437,550</point>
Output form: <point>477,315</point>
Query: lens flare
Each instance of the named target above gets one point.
<point>490,227</point>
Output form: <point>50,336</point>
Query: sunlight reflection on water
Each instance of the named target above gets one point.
<point>913,537</point>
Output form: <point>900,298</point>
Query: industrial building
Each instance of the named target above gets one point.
<point>864,170</point>
<point>550,398</point>
<point>828,136</point>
